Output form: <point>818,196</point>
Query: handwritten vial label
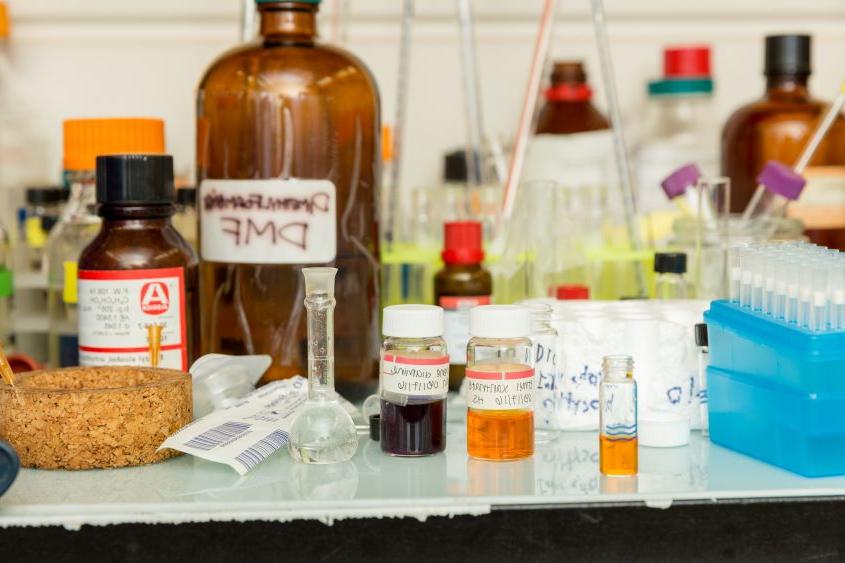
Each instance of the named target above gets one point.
<point>416,376</point>
<point>456,323</point>
<point>500,390</point>
<point>268,221</point>
<point>116,307</point>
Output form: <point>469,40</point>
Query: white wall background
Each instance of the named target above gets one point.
<point>86,58</point>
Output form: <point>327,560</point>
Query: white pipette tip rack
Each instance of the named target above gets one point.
<point>798,283</point>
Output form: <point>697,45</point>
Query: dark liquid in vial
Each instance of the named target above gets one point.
<point>413,430</point>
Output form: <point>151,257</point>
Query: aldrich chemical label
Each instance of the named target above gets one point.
<point>500,388</point>
<point>268,221</point>
<point>116,309</point>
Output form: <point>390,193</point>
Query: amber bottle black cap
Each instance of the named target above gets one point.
<point>135,180</point>
<point>787,54</point>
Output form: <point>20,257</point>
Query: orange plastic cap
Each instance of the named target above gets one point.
<point>386,143</point>
<point>86,139</point>
<point>4,21</point>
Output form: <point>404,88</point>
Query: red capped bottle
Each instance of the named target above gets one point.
<point>460,285</point>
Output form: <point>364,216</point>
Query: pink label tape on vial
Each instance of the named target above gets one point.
<point>500,390</point>
<point>417,376</point>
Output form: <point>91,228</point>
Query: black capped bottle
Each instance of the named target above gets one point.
<point>137,285</point>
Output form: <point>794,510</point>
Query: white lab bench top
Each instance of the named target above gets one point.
<point>562,473</point>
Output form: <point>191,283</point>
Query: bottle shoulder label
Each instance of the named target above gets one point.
<point>271,221</point>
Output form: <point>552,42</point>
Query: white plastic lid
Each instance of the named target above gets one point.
<point>499,321</point>
<point>663,433</point>
<point>413,321</point>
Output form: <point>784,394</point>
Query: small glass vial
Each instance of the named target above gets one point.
<point>547,371</point>
<point>500,383</point>
<point>618,417</point>
<point>703,343</point>
<point>671,281</point>
<point>414,381</point>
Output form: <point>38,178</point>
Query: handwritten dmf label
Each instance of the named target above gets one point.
<point>500,390</point>
<point>268,221</point>
<point>420,376</point>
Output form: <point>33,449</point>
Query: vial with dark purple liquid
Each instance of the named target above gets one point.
<point>414,381</point>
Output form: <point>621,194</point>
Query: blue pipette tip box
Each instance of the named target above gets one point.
<point>776,392</point>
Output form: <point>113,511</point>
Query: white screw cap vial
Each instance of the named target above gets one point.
<point>412,321</point>
<point>499,321</point>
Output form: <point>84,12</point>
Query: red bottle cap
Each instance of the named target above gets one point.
<point>568,292</point>
<point>462,243</point>
<point>686,62</point>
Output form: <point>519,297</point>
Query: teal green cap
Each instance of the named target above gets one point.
<point>677,87</point>
<point>5,282</point>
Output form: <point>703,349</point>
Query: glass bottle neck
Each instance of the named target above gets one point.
<point>618,368</point>
<point>787,85</point>
<point>320,315</point>
<point>148,216</point>
<point>135,223</point>
<point>288,22</point>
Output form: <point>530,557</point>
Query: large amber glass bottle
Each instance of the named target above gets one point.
<point>287,156</point>
<point>778,126</point>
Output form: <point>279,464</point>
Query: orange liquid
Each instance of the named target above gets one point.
<point>617,457</point>
<point>498,435</point>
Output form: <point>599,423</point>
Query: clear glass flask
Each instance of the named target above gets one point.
<point>548,368</point>
<point>323,432</point>
<point>618,417</point>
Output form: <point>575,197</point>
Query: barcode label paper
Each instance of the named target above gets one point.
<point>248,432</point>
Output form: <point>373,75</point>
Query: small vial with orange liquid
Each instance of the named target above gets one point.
<point>618,417</point>
<point>500,384</point>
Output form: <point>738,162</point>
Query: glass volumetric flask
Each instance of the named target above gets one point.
<point>323,432</point>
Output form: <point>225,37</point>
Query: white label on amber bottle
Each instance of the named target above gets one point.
<point>116,309</point>
<point>417,376</point>
<point>500,390</point>
<point>268,221</point>
<point>456,323</point>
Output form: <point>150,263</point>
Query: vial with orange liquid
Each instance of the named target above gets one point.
<point>500,384</point>
<point>618,417</point>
